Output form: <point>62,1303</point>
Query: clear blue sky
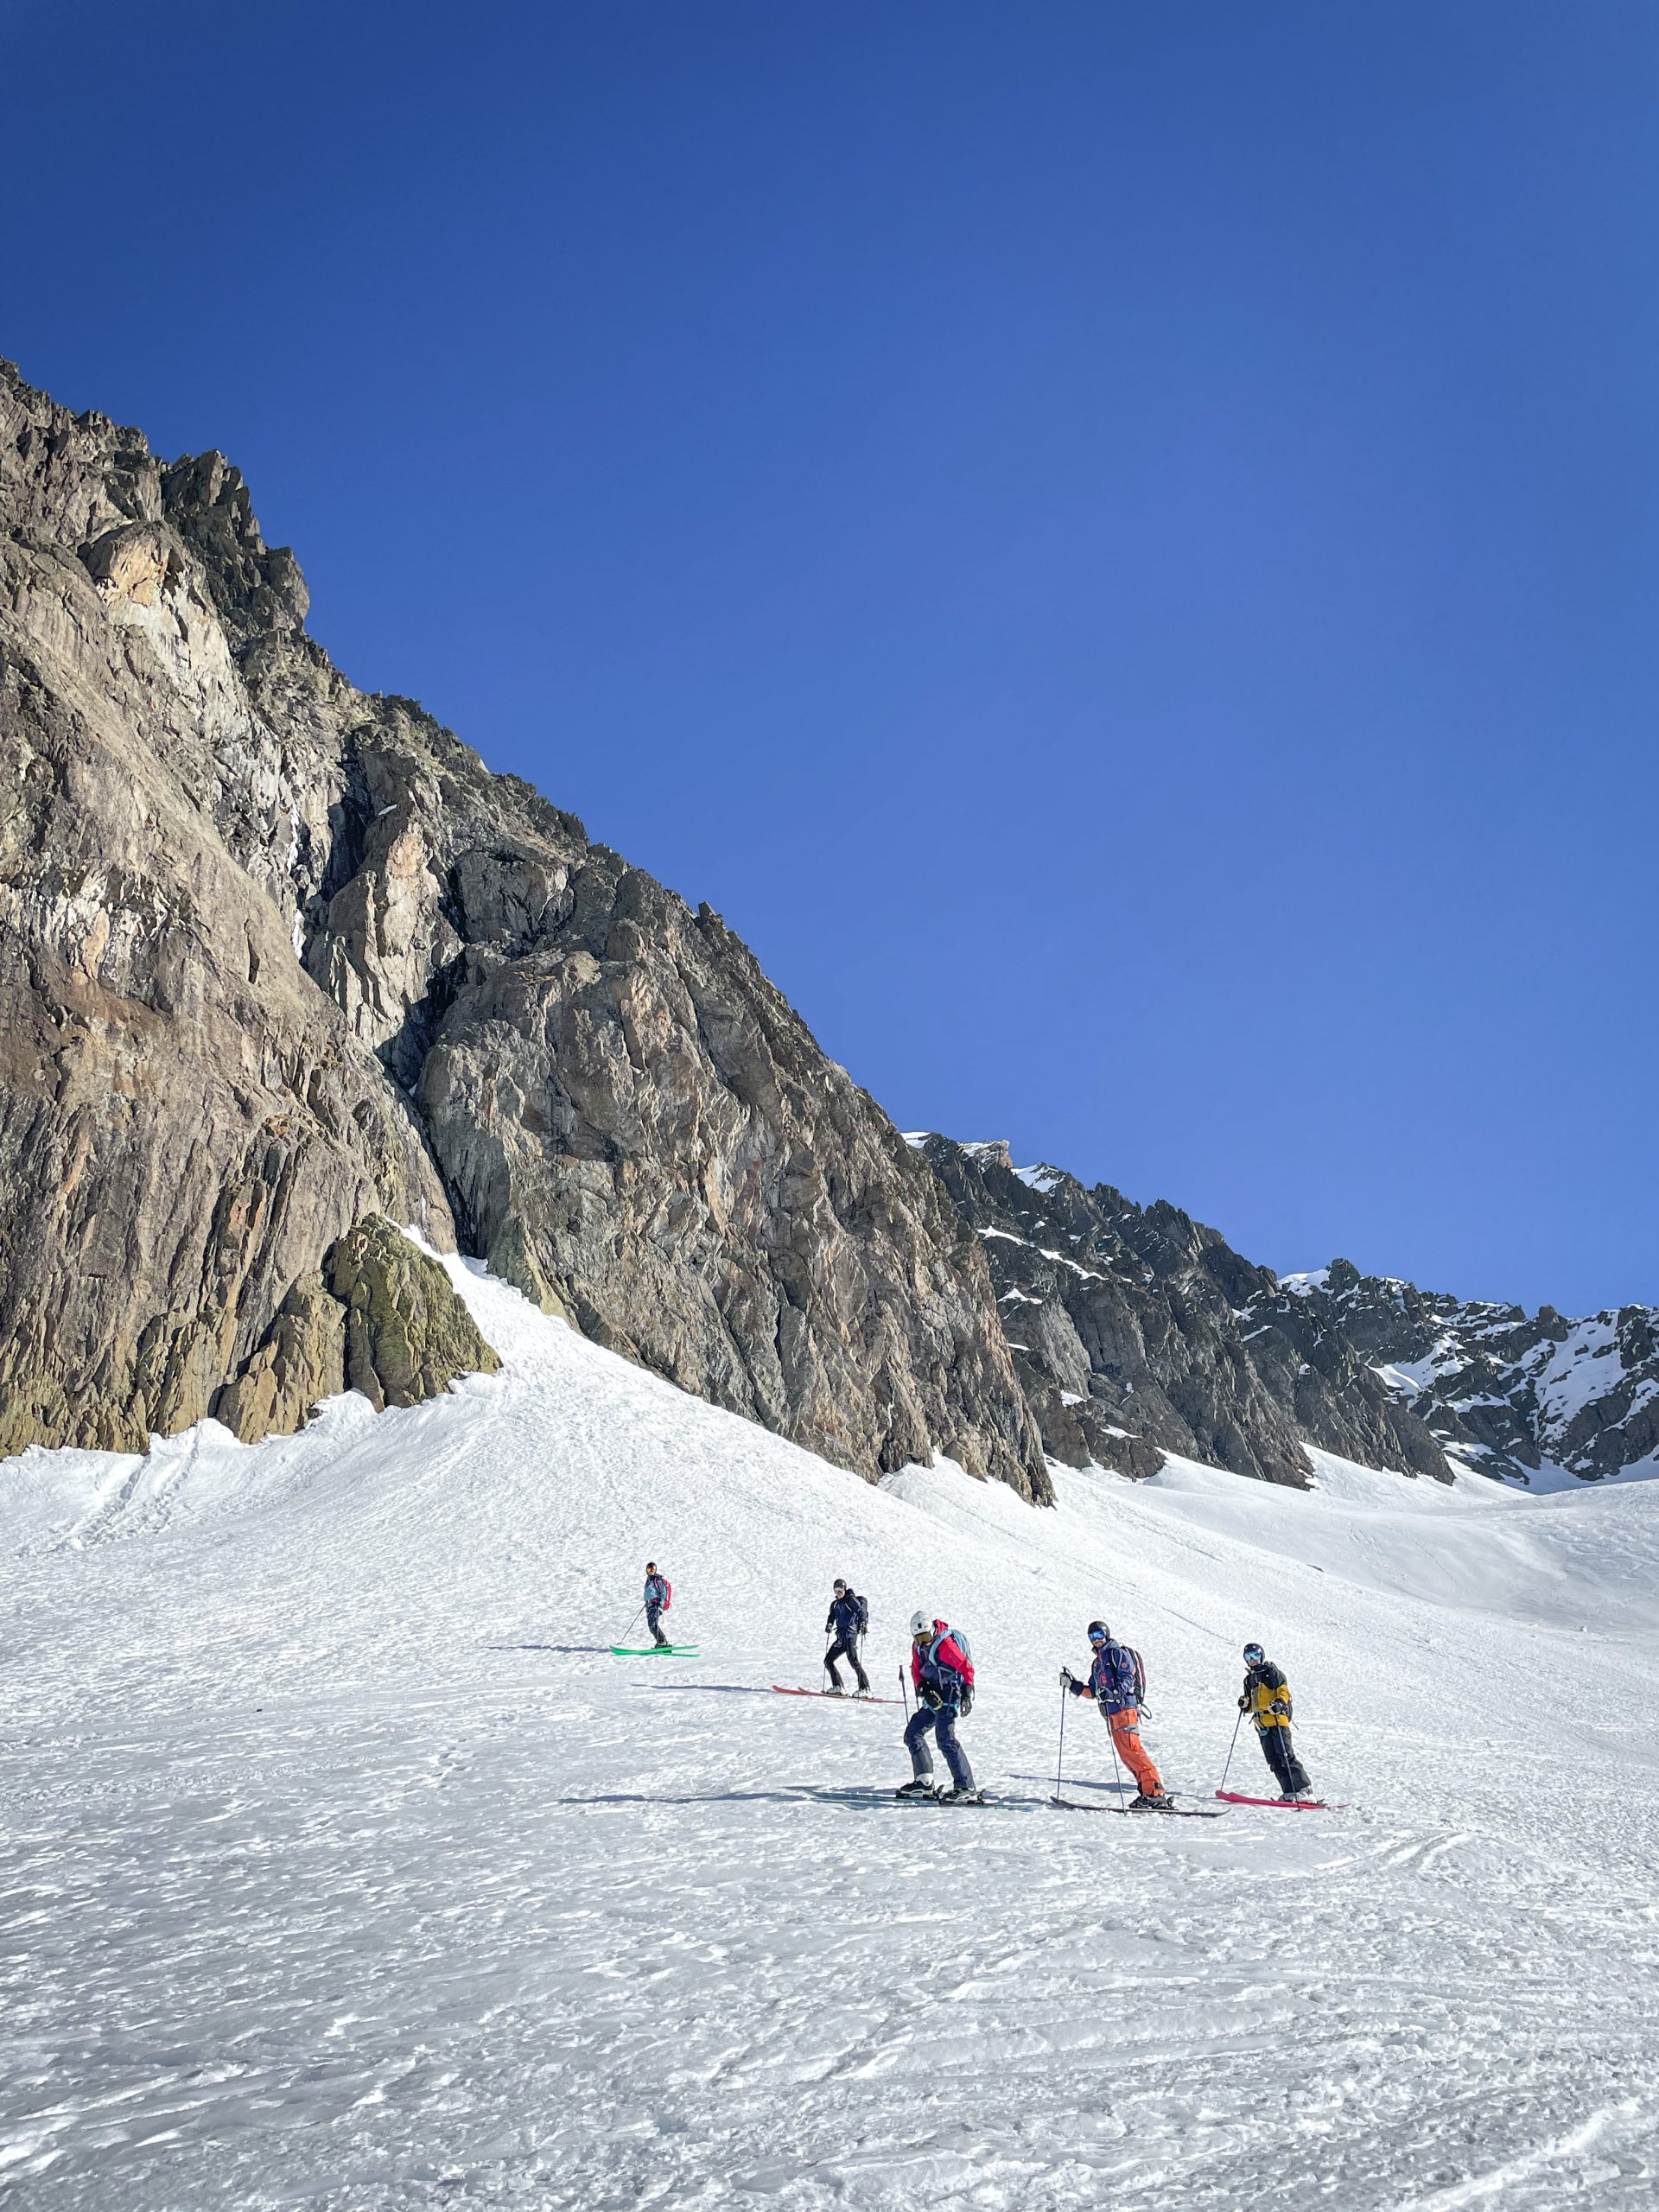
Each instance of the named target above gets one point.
<point>1115,542</point>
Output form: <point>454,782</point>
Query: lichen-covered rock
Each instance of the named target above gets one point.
<point>301,1361</point>
<point>407,1335</point>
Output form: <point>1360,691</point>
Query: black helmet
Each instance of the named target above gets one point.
<point>841,1582</point>
<point>1099,1633</point>
<point>651,1566</point>
<point>1254,1655</point>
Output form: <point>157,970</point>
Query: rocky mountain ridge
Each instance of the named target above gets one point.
<point>282,965</point>
<point>1137,1331</point>
<point>1517,1395</point>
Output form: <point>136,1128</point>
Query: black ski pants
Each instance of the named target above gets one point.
<point>940,1722</point>
<point>1280,1755</point>
<point>653,1622</point>
<point>846,1647</point>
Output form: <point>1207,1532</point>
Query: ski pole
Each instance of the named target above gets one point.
<point>903,1692</point>
<point>1231,1747</point>
<point>627,1630</point>
<point>1059,1756</point>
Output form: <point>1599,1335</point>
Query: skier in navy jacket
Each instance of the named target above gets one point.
<point>942,1669</point>
<point>847,1619</point>
<point>658,1597</point>
<point>1116,1681</point>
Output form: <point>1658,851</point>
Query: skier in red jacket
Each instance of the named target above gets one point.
<point>942,1668</point>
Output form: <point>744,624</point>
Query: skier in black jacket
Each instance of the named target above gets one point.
<point>849,1618</point>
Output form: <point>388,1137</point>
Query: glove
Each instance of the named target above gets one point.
<point>1067,1680</point>
<point>967,1704</point>
<point>1244,1702</point>
<point>930,1697</point>
<point>1279,1705</point>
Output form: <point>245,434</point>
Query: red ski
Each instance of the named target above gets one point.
<point>1283,1804</point>
<point>847,1697</point>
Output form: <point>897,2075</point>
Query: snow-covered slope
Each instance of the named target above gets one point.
<point>344,1867</point>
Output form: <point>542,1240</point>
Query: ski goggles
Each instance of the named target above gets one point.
<point>1253,1654</point>
<point>1098,1636</point>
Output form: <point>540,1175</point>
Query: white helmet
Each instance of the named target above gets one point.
<point>921,1624</point>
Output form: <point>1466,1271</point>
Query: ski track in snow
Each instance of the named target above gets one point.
<point>344,1868</point>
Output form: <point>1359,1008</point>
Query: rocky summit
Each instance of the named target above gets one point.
<point>292,986</point>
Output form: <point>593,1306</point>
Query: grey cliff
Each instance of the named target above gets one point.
<point>280,957</point>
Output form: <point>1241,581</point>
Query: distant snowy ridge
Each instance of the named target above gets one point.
<point>1142,1332</point>
<point>1533,1398</point>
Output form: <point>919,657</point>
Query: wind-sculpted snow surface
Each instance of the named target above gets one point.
<point>345,1868</point>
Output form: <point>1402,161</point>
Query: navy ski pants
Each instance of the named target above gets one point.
<point>940,1722</point>
<point>846,1647</point>
<point>1287,1769</point>
<point>653,1619</point>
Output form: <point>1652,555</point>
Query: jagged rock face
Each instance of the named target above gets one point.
<point>1508,1392</point>
<point>281,955</point>
<point>1130,1327</point>
<point>184,1125</point>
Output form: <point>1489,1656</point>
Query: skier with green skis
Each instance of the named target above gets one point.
<point>659,1596</point>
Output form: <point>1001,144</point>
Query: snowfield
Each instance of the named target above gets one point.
<point>345,1868</point>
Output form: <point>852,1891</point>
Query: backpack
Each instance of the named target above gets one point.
<point>1125,1677</point>
<point>861,1614</point>
<point>668,1592</point>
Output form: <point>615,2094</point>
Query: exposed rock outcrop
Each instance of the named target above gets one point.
<point>1128,1324</point>
<point>281,956</point>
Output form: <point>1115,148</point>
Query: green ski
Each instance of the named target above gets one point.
<point>655,1651</point>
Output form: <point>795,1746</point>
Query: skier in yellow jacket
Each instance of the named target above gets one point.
<point>1267,1700</point>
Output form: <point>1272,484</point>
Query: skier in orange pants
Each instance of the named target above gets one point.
<point>1117,1682</point>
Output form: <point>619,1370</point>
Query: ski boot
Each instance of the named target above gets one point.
<point>835,1690</point>
<point>923,1786</point>
<point>970,1796</point>
<point>1150,1801</point>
